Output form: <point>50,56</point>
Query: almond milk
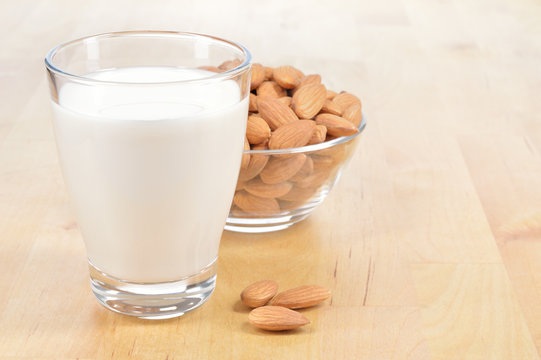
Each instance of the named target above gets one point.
<point>151,170</point>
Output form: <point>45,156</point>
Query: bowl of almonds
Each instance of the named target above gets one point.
<point>299,136</point>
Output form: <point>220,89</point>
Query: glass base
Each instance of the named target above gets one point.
<point>153,300</point>
<point>262,225</point>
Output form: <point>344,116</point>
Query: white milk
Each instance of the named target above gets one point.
<point>151,169</point>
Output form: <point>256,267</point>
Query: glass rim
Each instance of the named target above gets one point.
<point>149,33</point>
<point>310,148</point>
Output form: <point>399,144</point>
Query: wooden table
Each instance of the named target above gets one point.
<point>431,242</point>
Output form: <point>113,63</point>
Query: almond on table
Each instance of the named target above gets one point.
<point>301,297</point>
<point>276,318</point>
<point>259,293</point>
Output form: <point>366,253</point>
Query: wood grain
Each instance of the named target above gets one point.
<point>430,243</point>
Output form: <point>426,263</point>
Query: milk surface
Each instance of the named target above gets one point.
<point>151,170</point>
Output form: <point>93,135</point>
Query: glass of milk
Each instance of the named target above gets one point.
<point>150,136</point>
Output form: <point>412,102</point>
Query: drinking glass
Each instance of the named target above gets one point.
<point>150,128</point>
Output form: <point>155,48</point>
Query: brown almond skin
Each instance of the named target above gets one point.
<point>256,164</point>
<point>240,185</point>
<point>268,72</point>
<point>282,168</point>
<point>252,107</point>
<point>257,130</point>
<point>292,135</point>
<point>297,194</point>
<point>257,75</point>
<point>210,68</point>
<point>309,100</point>
<point>270,89</point>
<point>331,94</point>
<point>255,204</point>
<point>314,180</point>
<point>305,171</point>
<point>275,112</point>
<point>336,125</point>
<point>286,100</point>
<point>345,100</point>
<point>287,76</point>
<point>301,297</point>
<point>308,79</point>
<point>229,64</point>
<point>258,188</point>
<point>276,318</point>
<point>322,161</point>
<point>259,293</point>
<point>330,107</point>
<point>245,157</point>
<point>354,115</point>
<point>319,134</point>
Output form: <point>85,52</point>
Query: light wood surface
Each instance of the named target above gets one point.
<point>431,242</point>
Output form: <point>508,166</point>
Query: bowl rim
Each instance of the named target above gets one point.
<point>310,148</point>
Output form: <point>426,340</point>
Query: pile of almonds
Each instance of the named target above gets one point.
<point>273,312</point>
<point>290,110</point>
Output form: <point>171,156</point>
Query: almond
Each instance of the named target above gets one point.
<point>330,107</point>
<point>257,130</point>
<point>336,126</point>
<point>274,112</point>
<point>331,94</point>
<point>253,103</point>
<point>305,171</point>
<point>308,100</point>
<point>287,76</point>
<point>318,136</point>
<point>245,157</point>
<point>285,100</point>
<point>259,293</point>
<point>292,135</point>
<point>268,72</point>
<point>229,64</point>
<point>297,194</point>
<point>336,153</point>
<point>257,76</point>
<point>345,100</point>
<point>282,168</point>
<point>354,115</point>
<point>301,297</point>
<point>314,180</point>
<point>240,185</point>
<point>210,68</point>
<point>256,164</point>
<point>258,188</point>
<point>270,89</point>
<point>276,318</point>
<point>291,205</point>
<point>255,204</point>
<point>322,160</point>
<point>308,79</point>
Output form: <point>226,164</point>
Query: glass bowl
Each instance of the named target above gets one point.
<point>279,188</point>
